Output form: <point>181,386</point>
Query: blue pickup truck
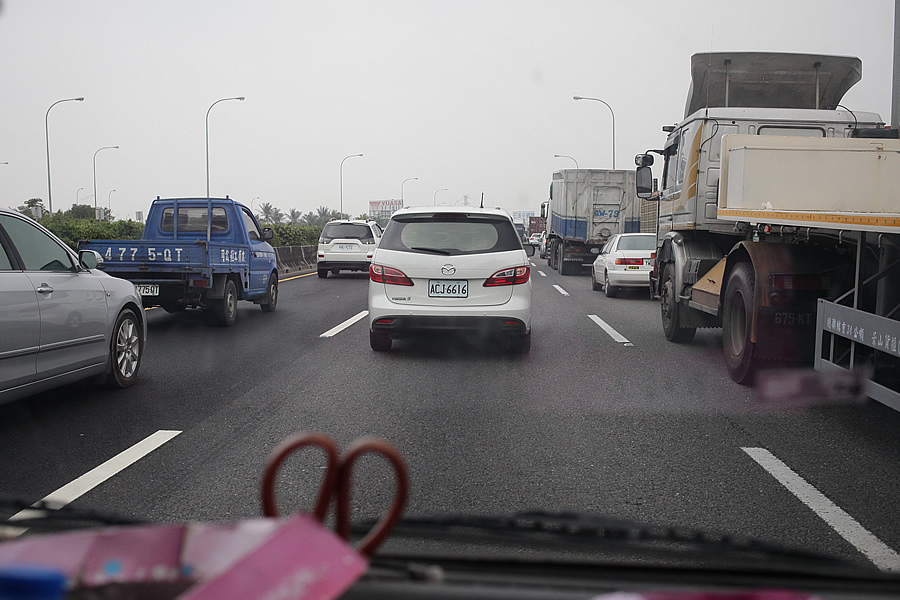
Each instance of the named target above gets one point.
<point>196,252</point>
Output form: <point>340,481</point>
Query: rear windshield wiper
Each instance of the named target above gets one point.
<point>443,251</point>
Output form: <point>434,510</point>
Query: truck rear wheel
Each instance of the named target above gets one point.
<point>225,309</point>
<point>737,319</point>
<point>670,310</point>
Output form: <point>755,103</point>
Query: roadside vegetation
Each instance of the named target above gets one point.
<point>79,223</point>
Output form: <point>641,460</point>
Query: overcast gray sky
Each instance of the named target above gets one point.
<point>473,96</point>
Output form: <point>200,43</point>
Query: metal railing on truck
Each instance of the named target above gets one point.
<point>850,337</point>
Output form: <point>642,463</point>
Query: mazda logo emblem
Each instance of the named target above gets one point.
<point>448,269</point>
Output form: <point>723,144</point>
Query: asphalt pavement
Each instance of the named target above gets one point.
<point>603,416</point>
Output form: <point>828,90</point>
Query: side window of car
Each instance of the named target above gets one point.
<point>5,260</point>
<point>252,230</point>
<point>39,251</point>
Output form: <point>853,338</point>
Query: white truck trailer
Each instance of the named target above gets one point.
<point>779,219</point>
<point>586,207</point>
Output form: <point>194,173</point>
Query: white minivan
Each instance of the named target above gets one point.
<point>450,269</point>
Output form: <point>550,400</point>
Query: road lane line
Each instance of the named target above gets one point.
<point>336,330</point>
<point>884,557</point>
<point>296,277</point>
<point>609,330</point>
<point>561,291</point>
<point>80,486</point>
<point>542,274</point>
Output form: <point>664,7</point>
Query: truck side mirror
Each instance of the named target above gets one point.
<point>643,160</point>
<point>267,234</point>
<point>644,182</point>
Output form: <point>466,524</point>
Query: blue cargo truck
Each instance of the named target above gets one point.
<point>196,252</point>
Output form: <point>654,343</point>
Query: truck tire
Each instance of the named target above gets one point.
<point>225,310</point>
<point>125,350</point>
<point>551,255</point>
<point>670,310</point>
<point>380,342</point>
<point>609,290</point>
<point>268,305</point>
<point>737,319</point>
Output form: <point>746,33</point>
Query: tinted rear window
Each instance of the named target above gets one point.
<point>347,231</point>
<point>194,218</point>
<point>450,235</point>
<point>637,242</point>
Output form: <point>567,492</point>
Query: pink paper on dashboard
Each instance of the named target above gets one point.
<point>303,560</point>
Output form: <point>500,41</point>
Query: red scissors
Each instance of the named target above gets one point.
<point>337,483</point>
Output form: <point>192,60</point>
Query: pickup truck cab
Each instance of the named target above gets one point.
<point>196,252</point>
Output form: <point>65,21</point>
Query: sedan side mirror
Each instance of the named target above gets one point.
<point>529,249</point>
<point>90,259</point>
<point>267,234</point>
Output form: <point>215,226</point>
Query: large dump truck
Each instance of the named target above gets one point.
<point>779,219</point>
<point>586,207</point>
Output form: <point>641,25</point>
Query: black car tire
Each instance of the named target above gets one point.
<point>225,309</point>
<point>520,344</point>
<point>670,310</point>
<point>595,285</point>
<point>126,347</point>
<point>737,318</point>
<point>380,342</point>
<point>323,273</point>
<point>610,291</point>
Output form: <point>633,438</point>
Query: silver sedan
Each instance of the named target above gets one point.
<point>62,319</point>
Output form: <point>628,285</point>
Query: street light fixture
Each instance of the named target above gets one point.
<point>434,198</point>
<point>109,202</point>
<point>401,188</point>
<point>566,156</point>
<point>613,124</point>
<point>95,172</point>
<point>342,183</point>
<point>47,138</point>
<point>77,197</point>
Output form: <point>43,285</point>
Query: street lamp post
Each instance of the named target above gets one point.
<point>613,125</point>
<point>95,173</point>
<point>567,156</point>
<point>342,183</point>
<point>208,200</point>
<point>109,202</point>
<point>77,196</point>
<point>401,188</point>
<point>47,138</point>
<point>434,198</point>
<point>241,98</point>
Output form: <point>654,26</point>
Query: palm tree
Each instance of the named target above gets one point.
<point>270,214</point>
<point>294,216</point>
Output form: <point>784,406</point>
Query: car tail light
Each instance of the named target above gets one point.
<point>653,256</point>
<point>382,274</point>
<point>510,276</point>
<point>629,261</point>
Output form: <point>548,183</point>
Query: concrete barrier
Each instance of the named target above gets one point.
<point>295,258</point>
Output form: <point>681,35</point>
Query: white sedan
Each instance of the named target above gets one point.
<point>624,261</point>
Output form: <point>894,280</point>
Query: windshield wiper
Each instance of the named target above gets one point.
<point>435,250</point>
<point>593,533</point>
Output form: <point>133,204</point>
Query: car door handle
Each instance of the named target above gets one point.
<point>45,289</point>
